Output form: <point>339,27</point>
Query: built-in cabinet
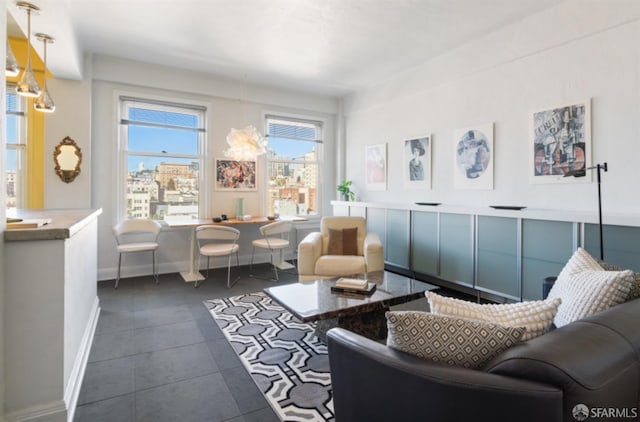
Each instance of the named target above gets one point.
<point>498,253</point>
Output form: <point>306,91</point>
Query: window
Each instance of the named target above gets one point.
<point>16,148</point>
<point>293,166</point>
<point>161,146</point>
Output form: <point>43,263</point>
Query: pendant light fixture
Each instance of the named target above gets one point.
<point>12,68</point>
<point>44,102</point>
<point>27,85</point>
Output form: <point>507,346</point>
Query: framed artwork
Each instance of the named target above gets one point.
<point>376,167</point>
<point>560,142</point>
<point>417,163</point>
<point>235,175</point>
<point>473,157</point>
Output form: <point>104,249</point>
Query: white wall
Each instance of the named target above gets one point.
<point>112,77</point>
<point>3,224</point>
<point>578,50</point>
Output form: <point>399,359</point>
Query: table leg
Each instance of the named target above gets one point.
<point>282,264</point>
<point>192,275</point>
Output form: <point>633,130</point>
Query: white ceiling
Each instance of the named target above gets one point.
<point>329,47</point>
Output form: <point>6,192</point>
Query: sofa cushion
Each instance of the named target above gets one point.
<point>334,265</point>
<point>343,241</point>
<point>536,316</point>
<point>449,340</point>
<point>586,288</point>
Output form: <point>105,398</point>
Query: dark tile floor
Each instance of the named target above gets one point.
<point>158,355</point>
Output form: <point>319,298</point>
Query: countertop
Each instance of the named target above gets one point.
<point>64,223</point>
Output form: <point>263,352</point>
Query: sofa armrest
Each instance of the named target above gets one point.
<point>309,251</point>
<point>372,382</point>
<point>373,252</point>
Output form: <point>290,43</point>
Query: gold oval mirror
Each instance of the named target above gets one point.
<point>67,156</point>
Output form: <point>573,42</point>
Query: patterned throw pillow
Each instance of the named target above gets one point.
<point>536,315</point>
<point>447,340</point>
<point>586,288</point>
<point>634,291</point>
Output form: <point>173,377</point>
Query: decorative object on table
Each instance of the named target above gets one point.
<point>239,208</point>
<point>224,217</point>
<point>28,86</point>
<point>44,102</point>
<point>217,219</point>
<point>245,144</point>
<point>67,157</point>
<point>473,157</point>
<point>272,217</point>
<point>417,163</point>
<point>431,204</point>
<point>285,359</point>
<point>345,190</point>
<point>560,142</point>
<point>236,175</point>
<point>508,207</point>
<point>581,173</point>
<point>376,167</point>
<point>353,285</point>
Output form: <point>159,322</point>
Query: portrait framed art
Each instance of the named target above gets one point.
<point>473,157</point>
<point>560,142</point>
<point>417,162</point>
<point>376,167</point>
<point>236,175</point>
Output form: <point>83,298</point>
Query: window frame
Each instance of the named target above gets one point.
<point>123,101</point>
<point>320,123</point>
<point>20,147</point>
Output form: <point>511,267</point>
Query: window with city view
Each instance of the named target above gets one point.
<point>16,143</point>
<point>293,165</point>
<point>161,146</point>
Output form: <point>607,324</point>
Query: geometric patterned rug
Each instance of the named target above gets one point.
<point>285,359</point>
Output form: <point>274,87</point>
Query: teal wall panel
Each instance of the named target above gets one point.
<point>376,223</point>
<point>398,238</point>
<point>498,255</point>
<point>424,242</point>
<point>621,244</point>
<point>456,248</point>
<point>546,247</point>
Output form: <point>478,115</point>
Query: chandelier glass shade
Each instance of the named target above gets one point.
<point>44,102</point>
<point>27,86</point>
<point>245,144</point>
<point>11,68</point>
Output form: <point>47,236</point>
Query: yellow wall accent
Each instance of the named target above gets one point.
<point>35,154</point>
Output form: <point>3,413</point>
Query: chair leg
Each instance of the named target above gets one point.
<point>208,266</point>
<point>275,269</point>
<point>253,251</point>
<point>229,271</point>
<point>118,276</point>
<point>195,283</point>
<point>155,271</point>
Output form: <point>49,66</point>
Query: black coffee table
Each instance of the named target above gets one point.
<point>364,314</point>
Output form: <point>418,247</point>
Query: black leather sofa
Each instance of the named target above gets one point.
<point>594,361</point>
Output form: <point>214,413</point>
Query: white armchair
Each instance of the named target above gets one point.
<point>314,260</point>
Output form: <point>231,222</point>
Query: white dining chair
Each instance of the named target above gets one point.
<point>216,240</point>
<point>275,237</point>
<point>136,235</point>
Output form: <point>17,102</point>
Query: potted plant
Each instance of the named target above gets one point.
<point>345,190</point>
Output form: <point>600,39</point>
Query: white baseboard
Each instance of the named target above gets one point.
<point>72,390</point>
<point>49,412</point>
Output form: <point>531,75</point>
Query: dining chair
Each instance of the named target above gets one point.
<point>136,235</point>
<point>275,237</point>
<point>214,240</point>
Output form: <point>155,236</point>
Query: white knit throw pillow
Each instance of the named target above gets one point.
<point>536,315</point>
<point>586,288</point>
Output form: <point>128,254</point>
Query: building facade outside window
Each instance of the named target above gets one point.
<point>162,151</point>
<point>16,142</point>
<point>294,171</point>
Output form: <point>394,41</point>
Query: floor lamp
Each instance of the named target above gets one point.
<point>581,173</point>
